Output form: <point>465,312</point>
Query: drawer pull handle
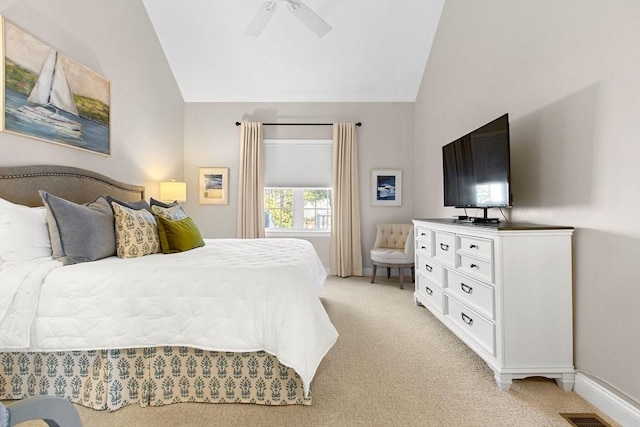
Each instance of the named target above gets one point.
<point>466,319</point>
<point>466,288</point>
<point>423,234</point>
<point>429,291</point>
<point>472,246</point>
<point>474,266</point>
<point>444,247</point>
<point>423,247</point>
<point>428,268</point>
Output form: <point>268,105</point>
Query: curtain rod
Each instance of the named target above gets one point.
<point>298,124</point>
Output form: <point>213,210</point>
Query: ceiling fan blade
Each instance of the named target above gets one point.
<point>261,19</point>
<point>308,17</point>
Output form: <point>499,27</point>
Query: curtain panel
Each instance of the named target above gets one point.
<point>251,182</point>
<point>346,249</point>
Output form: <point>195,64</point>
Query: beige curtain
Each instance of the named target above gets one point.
<point>250,182</point>
<point>346,250</point>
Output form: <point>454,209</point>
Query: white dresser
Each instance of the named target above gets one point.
<point>505,290</point>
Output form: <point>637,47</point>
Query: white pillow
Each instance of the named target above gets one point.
<point>23,232</point>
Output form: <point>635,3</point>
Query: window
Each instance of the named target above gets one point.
<point>297,179</point>
<point>307,209</point>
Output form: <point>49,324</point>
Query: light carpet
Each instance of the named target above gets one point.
<point>394,365</point>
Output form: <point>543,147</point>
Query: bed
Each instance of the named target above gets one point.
<point>232,321</point>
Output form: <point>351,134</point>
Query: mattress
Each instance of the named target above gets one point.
<point>230,295</point>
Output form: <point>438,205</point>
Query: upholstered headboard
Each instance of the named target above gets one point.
<point>20,184</point>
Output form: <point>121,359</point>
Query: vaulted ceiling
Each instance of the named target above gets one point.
<point>376,50</point>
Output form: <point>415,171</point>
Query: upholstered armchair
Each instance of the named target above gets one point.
<point>393,248</point>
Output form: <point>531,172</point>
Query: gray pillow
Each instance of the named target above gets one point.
<point>154,202</point>
<point>79,233</point>
<point>140,204</point>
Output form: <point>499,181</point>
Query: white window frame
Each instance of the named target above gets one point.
<point>298,215</point>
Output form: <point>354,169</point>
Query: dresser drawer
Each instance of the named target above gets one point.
<point>444,246</point>
<point>475,294</point>
<point>477,267</point>
<point>477,247</point>
<point>423,235</point>
<point>480,329</point>
<point>423,241</point>
<point>424,250</point>
<point>430,269</point>
<point>430,293</point>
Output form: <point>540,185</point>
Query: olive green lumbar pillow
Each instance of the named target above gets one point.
<point>178,236</point>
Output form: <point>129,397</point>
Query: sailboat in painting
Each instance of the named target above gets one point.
<point>50,94</point>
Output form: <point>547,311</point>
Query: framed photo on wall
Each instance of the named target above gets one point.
<point>386,187</point>
<point>49,96</point>
<point>214,186</point>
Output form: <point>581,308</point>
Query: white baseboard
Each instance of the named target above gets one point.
<point>368,272</point>
<point>607,400</point>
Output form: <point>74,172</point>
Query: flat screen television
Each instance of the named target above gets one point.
<point>477,168</point>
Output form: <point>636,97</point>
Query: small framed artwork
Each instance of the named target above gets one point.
<point>214,186</point>
<point>386,187</point>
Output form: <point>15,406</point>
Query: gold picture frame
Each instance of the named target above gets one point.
<point>213,188</point>
<point>49,96</point>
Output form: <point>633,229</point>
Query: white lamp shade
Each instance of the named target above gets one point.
<point>173,191</point>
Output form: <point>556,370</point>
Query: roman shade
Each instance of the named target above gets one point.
<point>301,163</point>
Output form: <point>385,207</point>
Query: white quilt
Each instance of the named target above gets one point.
<point>230,295</point>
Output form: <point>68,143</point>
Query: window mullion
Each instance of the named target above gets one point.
<point>298,208</point>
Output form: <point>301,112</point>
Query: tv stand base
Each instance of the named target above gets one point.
<point>477,220</point>
<point>481,220</point>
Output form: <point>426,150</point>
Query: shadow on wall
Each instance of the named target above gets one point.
<point>552,152</point>
<point>265,115</point>
<point>272,115</point>
<point>607,307</point>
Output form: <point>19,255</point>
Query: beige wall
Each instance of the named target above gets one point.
<point>567,74</point>
<point>385,140</point>
<point>115,39</point>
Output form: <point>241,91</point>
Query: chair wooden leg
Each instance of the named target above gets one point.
<point>401,272</point>
<point>413,275</point>
<point>373,278</point>
<point>388,272</point>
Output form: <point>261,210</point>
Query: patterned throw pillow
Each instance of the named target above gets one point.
<point>136,232</point>
<point>174,213</point>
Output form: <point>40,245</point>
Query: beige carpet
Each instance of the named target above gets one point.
<point>394,365</point>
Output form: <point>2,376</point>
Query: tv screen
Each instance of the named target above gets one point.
<point>476,167</point>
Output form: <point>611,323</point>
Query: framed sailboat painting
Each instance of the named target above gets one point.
<point>49,96</point>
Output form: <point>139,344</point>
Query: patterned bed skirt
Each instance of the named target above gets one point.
<point>111,379</point>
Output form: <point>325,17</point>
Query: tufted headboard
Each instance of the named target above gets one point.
<point>20,184</point>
